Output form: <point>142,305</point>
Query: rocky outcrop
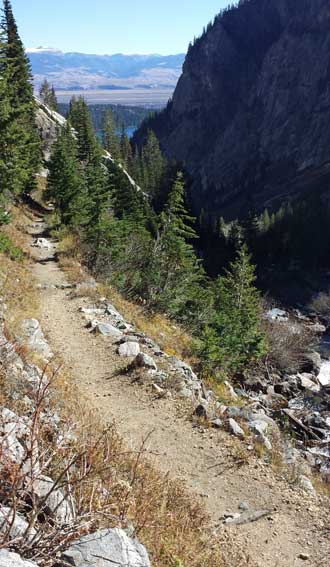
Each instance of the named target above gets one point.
<point>249,117</point>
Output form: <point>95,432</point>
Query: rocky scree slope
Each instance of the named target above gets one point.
<point>249,117</point>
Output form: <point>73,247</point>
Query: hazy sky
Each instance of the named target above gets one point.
<point>112,26</point>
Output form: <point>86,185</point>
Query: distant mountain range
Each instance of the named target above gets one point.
<point>80,71</point>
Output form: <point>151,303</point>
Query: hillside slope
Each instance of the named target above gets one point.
<point>249,117</point>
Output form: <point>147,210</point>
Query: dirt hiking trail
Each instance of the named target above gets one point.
<point>296,533</point>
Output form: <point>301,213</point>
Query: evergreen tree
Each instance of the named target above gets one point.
<point>153,164</point>
<point>111,142</point>
<point>48,96</point>
<point>126,151</point>
<point>234,337</point>
<point>19,94</point>
<point>176,278</point>
<point>66,185</point>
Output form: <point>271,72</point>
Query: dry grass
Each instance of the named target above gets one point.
<point>171,338</point>
<point>288,344</point>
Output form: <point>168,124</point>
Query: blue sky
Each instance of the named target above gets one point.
<point>112,26</point>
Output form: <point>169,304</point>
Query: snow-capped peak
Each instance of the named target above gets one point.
<point>43,50</point>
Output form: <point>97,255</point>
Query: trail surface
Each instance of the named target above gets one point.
<point>294,535</point>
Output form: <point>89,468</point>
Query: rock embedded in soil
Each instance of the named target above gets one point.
<point>129,349</point>
<point>143,360</point>
<point>235,428</point>
<point>106,330</point>
<point>107,547</point>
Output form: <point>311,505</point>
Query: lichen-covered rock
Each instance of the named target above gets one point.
<point>107,547</point>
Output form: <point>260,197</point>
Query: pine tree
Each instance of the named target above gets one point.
<point>48,96</point>
<point>126,152</point>
<point>234,337</point>
<point>153,164</point>
<point>66,185</point>
<point>176,277</point>
<point>111,141</point>
<point>25,139</point>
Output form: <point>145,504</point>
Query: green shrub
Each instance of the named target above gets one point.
<point>7,247</point>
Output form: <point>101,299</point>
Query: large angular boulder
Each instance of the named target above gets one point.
<point>107,547</point>
<point>10,559</point>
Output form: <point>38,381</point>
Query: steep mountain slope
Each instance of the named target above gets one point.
<point>83,71</point>
<point>250,114</point>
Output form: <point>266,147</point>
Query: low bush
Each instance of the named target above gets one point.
<point>8,247</point>
<point>288,344</point>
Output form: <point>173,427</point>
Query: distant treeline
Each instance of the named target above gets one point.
<point>126,116</point>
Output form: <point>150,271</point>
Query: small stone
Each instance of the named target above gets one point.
<point>235,428</point>
<point>216,423</point>
<point>143,360</point>
<point>158,389</point>
<point>201,411</point>
<point>303,556</point>
<point>306,484</point>
<point>244,506</point>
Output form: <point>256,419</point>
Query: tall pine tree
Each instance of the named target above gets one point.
<point>25,139</point>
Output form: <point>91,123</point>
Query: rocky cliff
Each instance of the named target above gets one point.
<point>250,115</point>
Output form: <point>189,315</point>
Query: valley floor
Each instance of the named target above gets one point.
<point>295,533</point>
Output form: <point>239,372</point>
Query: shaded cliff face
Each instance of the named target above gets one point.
<point>250,117</point>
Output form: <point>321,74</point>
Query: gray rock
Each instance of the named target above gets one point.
<point>54,502</point>
<point>10,559</point>
<point>91,310</point>
<point>244,506</point>
<point>129,349</point>
<point>306,484</point>
<point>216,423</point>
<point>143,360</point>
<point>235,428</point>
<point>33,337</point>
<point>17,525</point>
<point>307,383</point>
<point>106,330</point>
<point>107,547</point>
<point>42,243</point>
<point>313,362</point>
<point>185,392</point>
<point>276,315</point>
<point>13,430</point>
